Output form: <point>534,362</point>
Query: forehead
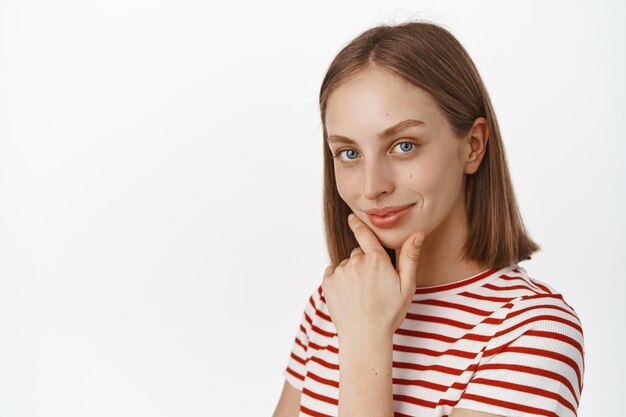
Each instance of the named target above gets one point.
<point>374,100</point>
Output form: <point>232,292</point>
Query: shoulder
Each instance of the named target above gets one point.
<point>531,294</point>
<point>539,317</point>
<point>542,325</point>
<point>544,302</point>
<point>533,362</point>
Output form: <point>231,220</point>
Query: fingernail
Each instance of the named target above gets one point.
<point>418,239</point>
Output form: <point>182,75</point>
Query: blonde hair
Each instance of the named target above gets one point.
<point>431,58</point>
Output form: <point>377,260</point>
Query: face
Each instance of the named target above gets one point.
<point>424,164</point>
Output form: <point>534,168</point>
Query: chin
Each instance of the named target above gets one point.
<point>392,240</point>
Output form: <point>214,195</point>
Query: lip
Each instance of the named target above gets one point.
<point>389,220</point>
<point>387,210</point>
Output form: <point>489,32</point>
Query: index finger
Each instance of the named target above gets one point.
<point>364,235</point>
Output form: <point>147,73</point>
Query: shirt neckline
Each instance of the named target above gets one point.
<point>461,285</point>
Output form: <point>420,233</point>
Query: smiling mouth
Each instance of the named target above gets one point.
<point>383,212</point>
<point>389,220</point>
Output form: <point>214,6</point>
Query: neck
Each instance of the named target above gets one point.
<point>440,260</point>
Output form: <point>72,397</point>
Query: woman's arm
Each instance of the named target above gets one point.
<point>289,402</point>
<point>365,379</point>
<point>368,298</point>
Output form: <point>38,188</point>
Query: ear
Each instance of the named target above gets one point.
<point>475,145</point>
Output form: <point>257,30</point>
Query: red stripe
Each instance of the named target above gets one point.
<point>430,352</point>
<point>425,335</point>
<point>329,347</point>
<point>302,345</point>
<point>321,380</point>
<point>313,413</point>
<point>532,287</point>
<point>294,373</point>
<point>440,337</point>
<point>559,297</point>
<point>525,388</point>
<point>530,370</point>
<point>457,284</point>
<point>320,397</point>
<point>509,405</point>
<point>413,400</point>
<point>543,287</point>
<point>557,336</point>
<point>541,317</point>
<point>323,333</point>
<point>568,310</point>
<point>436,319</point>
<point>420,383</point>
<point>323,316</point>
<point>507,288</point>
<point>549,354</point>
<point>487,298</point>
<point>456,306</point>
<point>436,368</point>
<point>454,323</point>
<point>298,359</point>
<point>555,296</point>
<point>324,363</point>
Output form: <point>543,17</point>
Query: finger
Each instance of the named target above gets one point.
<point>407,265</point>
<point>367,239</point>
<point>329,271</point>
<point>356,251</point>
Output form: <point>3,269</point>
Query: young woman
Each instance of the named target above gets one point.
<point>424,307</point>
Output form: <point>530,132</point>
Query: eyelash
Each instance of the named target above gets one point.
<point>336,154</point>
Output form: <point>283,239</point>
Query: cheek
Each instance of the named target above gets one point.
<point>347,187</point>
<point>439,181</point>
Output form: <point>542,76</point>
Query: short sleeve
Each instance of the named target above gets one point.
<point>538,371</point>
<point>295,371</point>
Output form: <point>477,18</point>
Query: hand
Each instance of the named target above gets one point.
<point>365,295</point>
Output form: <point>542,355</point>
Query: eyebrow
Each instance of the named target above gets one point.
<point>387,133</point>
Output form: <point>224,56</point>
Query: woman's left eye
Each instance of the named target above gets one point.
<point>406,143</point>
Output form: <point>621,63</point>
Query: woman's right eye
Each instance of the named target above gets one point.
<point>338,153</point>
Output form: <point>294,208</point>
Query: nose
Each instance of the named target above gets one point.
<point>378,179</point>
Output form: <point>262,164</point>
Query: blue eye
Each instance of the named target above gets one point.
<point>336,155</point>
<point>406,143</point>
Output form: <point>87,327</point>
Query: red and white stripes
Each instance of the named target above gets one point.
<point>498,342</point>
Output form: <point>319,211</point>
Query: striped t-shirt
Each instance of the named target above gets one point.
<point>498,342</point>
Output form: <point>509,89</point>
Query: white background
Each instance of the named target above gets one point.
<point>161,176</point>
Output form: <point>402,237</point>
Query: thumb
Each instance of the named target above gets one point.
<point>407,265</point>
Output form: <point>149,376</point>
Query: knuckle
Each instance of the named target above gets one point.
<point>328,271</point>
<point>414,256</point>
<point>355,252</point>
<point>378,257</point>
<point>355,226</point>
